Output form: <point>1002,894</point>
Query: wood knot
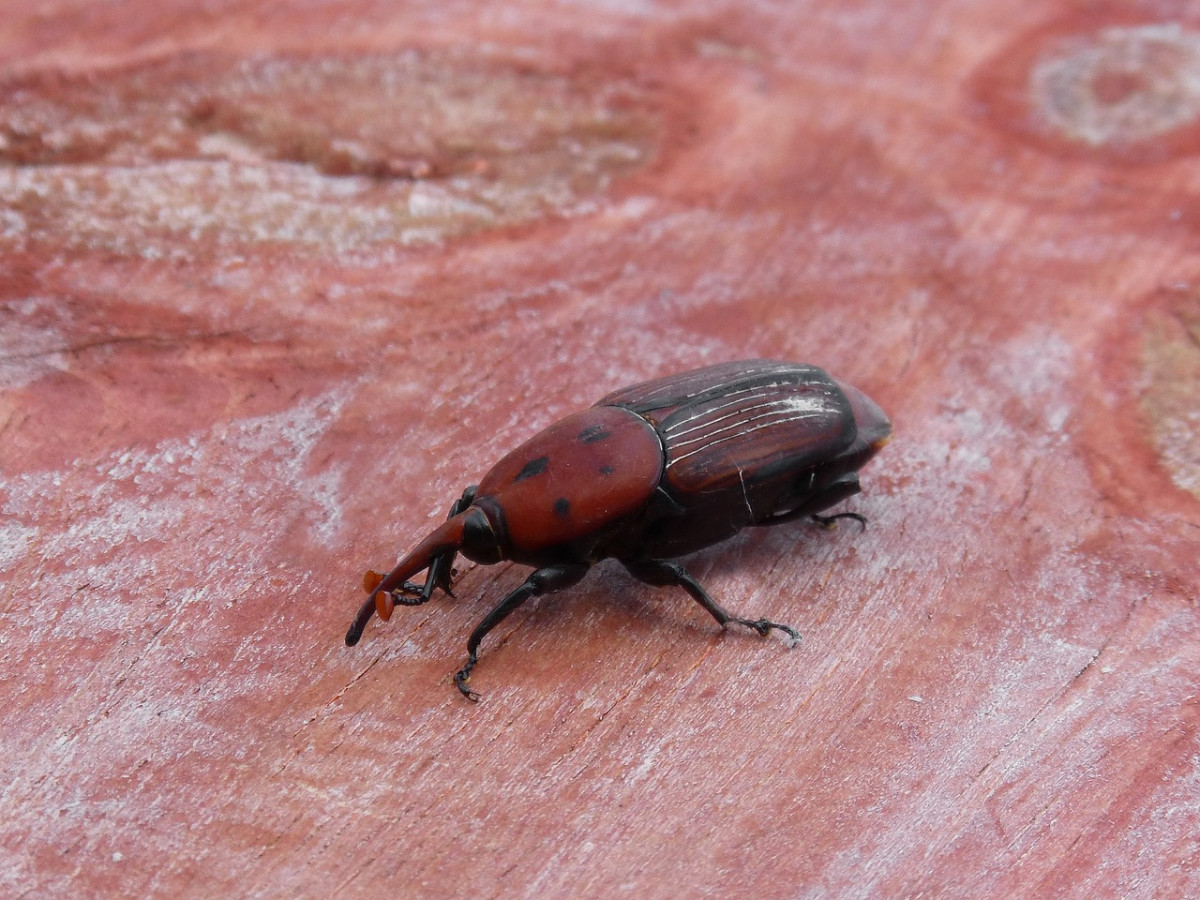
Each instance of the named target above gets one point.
<point>1113,92</point>
<point>1121,85</point>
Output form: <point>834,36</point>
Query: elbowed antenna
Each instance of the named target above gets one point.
<point>446,538</point>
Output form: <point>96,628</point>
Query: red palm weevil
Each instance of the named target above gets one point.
<point>650,473</point>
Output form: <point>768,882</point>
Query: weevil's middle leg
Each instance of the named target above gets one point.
<point>670,574</point>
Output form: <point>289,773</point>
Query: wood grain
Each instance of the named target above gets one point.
<point>280,280</point>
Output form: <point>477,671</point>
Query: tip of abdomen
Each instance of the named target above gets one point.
<point>874,427</point>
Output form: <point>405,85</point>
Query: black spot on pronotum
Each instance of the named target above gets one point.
<point>607,470</point>
<point>533,467</point>
<point>594,433</point>
<point>562,507</point>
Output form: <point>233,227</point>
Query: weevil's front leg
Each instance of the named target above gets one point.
<point>543,581</point>
<point>669,574</point>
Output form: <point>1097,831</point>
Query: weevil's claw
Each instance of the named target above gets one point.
<point>462,676</point>
<point>461,683</point>
<point>831,521</point>
<point>765,626</point>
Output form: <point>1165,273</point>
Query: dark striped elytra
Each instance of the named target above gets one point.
<point>533,467</point>
<point>650,473</point>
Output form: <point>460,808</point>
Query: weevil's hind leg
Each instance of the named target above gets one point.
<point>669,574</point>
<point>543,581</point>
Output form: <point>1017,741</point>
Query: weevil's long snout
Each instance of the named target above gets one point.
<point>447,537</point>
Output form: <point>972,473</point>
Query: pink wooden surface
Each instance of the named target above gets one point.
<point>279,280</point>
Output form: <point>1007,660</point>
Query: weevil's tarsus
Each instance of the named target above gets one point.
<point>831,521</point>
